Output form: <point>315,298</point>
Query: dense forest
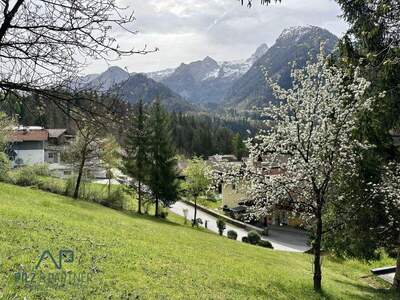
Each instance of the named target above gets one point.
<point>205,135</point>
<point>193,133</point>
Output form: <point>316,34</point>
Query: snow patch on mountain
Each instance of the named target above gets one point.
<point>160,75</point>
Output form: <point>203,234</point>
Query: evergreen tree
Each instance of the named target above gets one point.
<point>239,148</point>
<point>163,177</point>
<point>137,145</point>
<point>371,44</point>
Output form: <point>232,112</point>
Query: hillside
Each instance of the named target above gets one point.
<point>297,44</point>
<point>138,257</point>
<point>140,87</point>
<point>132,87</point>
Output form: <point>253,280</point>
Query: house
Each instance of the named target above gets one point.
<point>30,145</point>
<point>55,145</point>
<point>223,158</point>
<point>27,145</point>
<point>235,197</point>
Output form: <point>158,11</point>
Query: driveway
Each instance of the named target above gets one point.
<point>285,239</point>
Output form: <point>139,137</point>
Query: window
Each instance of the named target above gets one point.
<point>51,155</point>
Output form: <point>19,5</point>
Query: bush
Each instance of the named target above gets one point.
<point>70,186</point>
<point>245,239</point>
<point>253,237</point>
<point>265,231</point>
<point>221,226</point>
<point>232,234</point>
<point>117,199</point>
<point>265,244</point>
<point>41,169</point>
<point>5,166</point>
<point>26,176</point>
<point>52,185</point>
<point>163,214</point>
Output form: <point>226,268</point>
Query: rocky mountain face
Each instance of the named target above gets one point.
<point>206,81</point>
<point>299,45</point>
<point>138,86</point>
<point>236,84</point>
<point>106,80</point>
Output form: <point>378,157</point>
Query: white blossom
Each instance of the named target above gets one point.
<point>309,139</point>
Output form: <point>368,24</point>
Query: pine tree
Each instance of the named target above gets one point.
<point>239,148</point>
<point>163,175</point>
<point>137,144</point>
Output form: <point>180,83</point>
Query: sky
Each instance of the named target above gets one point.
<point>189,30</point>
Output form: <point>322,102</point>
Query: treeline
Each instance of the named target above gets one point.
<point>64,110</point>
<point>192,133</point>
<point>203,135</point>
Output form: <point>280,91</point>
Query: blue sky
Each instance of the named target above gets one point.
<point>189,30</point>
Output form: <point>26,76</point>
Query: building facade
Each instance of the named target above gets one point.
<point>27,146</point>
<point>33,145</point>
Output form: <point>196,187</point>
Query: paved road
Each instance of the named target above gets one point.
<point>281,239</point>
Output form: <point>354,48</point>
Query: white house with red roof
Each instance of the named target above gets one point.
<point>30,145</point>
<point>27,145</point>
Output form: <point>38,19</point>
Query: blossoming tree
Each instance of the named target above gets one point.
<point>310,139</point>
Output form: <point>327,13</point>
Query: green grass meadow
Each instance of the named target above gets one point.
<point>128,256</point>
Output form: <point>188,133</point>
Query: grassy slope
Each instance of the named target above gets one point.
<point>154,259</point>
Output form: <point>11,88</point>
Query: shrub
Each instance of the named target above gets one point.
<point>163,214</point>
<point>265,244</point>
<point>41,169</point>
<point>52,185</point>
<point>221,226</point>
<point>265,231</point>
<point>253,237</point>
<point>5,167</point>
<point>118,198</point>
<point>26,176</point>
<point>245,239</point>
<point>70,186</point>
<point>232,234</point>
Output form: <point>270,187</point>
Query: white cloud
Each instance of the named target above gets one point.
<point>188,30</point>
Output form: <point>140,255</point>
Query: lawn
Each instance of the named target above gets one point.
<point>138,257</point>
<point>211,204</point>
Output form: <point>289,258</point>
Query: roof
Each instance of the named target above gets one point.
<point>396,137</point>
<point>223,158</point>
<point>29,135</point>
<point>55,133</point>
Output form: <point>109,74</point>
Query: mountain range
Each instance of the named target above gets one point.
<point>208,83</point>
<point>299,45</point>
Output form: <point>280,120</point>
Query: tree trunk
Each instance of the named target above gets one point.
<point>396,281</point>
<point>139,197</point>
<point>78,180</point>
<point>317,253</point>
<point>195,212</point>
<point>109,187</point>
<point>156,214</point>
